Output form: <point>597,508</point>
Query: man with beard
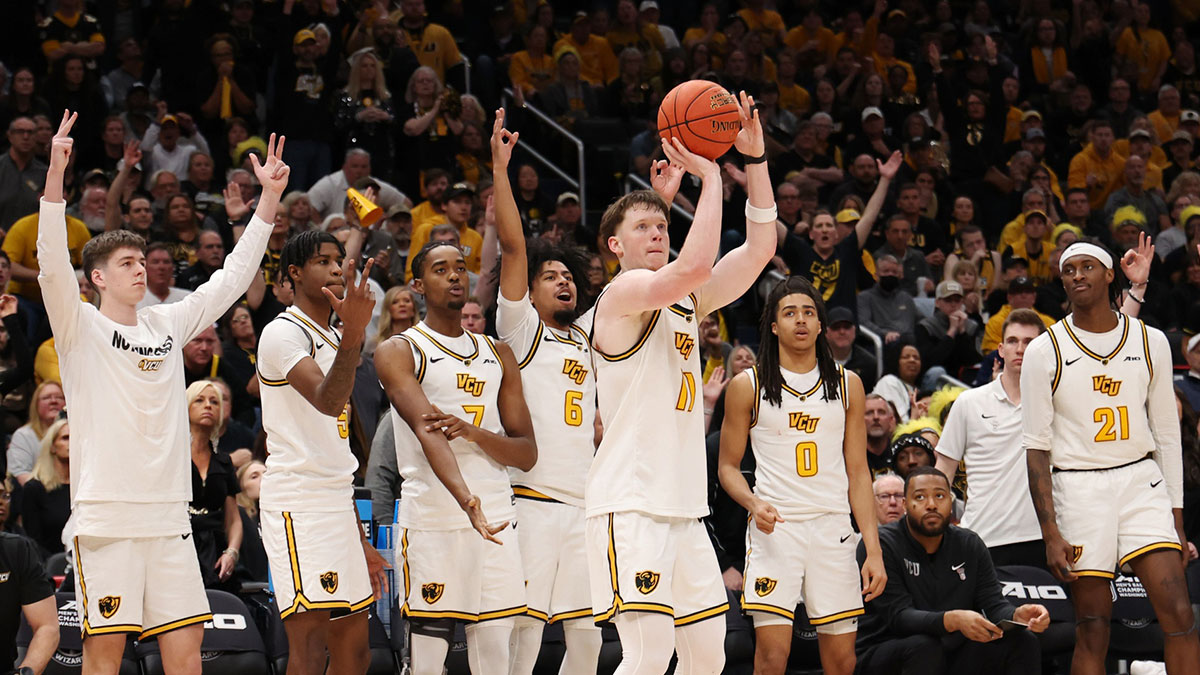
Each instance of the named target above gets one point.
<point>91,209</point>
<point>881,422</point>
<point>933,616</point>
<point>433,209</point>
<point>536,316</point>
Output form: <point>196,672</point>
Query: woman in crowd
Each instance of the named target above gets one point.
<point>398,315</point>
<point>47,401</point>
<point>254,557</point>
<point>200,185</point>
<point>22,99</point>
<point>430,120</point>
<point>902,365</point>
<point>532,68</point>
<point>216,523</point>
<point>182,225</point>
<point>16,367</point>
<point>227,85</point>
<point>46,499</point>
<point>239,341</point>
<point>364,112</point>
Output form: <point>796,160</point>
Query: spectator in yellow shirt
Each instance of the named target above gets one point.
<point>1144,48</point>
<point>765,22</point>
<point>792,97</point>
<point>1021,295</point>
<point>45,364</point>
<point>708,33</point>
<point>1097,168</point>
<point>885,59</point>
<point>630,31</point>
<point>597,62</point>
<point>1166,118</point>
<point>532,69</point>
<point>431,42</point>
<point>21,246</point>
<point>812,35</point>
<point>1033,248</point>
<point>459,200</point>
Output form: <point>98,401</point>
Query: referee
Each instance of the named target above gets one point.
<point>942,603</point>
<point>25,588</point>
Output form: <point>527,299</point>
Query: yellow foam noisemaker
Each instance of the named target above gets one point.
<point>368,212</point>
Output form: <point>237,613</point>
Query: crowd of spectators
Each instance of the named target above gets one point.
<point>931,162</point>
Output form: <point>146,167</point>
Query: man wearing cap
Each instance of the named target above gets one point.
<point>567,219</point>
<point>1022,294</point>
<point>597,62</point>
<point>1189,384</point>
<point>1097,167</point>
<point>1179,150</point>
<point>459,199</point>
<point>1033,141</point>
<point>947,338</point>
<point>304,88</point>
<point>1141,143</point>
<point>1189,121</point>
<point>841,333</point>
<point>1032,245</point>
<point>169,144</point>
<point>873,140</point>
<point>649,14</point>
<point>1104,461</point>
<point>1134,194</point>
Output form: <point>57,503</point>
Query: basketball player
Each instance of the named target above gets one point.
<point>811,474</point>
<point>319,557</point>
<point>1104,461</point>
<point>444,380</point>
<point>535,315</point>
<point>122,370</point>
<point>652,567</point>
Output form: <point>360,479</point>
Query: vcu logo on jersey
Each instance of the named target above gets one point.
<point>802,422</point>
<point>329,582</point>
<point>109,605</point>
<point>470,385</point>
<point>684,343</point>
<point>646,581</point>
<point>576,372</point>
<point>1106,385</point>
<point>431,593</point>
<point>149,365</point>
<point>764,586</point>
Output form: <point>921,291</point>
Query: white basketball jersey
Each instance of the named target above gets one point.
<point>461,376</point>
<point>560,391</point>
<point>1100,388</point>
<point>309,463</point>
<point>652,458</point>
<point>800,468</point>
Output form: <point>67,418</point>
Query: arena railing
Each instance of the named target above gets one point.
<point>774,276</point>
<point>577,183</point>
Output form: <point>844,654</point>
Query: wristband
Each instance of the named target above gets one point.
<point>233,552</point>
<point>1131,296</point>
<point>757,215</point>
<point>746,159</point>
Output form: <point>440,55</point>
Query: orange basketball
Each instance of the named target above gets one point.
<point>701,114</point>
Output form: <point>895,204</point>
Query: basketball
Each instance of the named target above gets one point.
<point>703,115</point>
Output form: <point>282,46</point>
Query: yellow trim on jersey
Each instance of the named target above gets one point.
<point>271,383</point>
<point>755,607</point>
<point>312,346</point>
<point>1146,348</point>
<point>362,604</point>
<point>1094,355</point>
<point>108,630</point>
<point>464,616</point>
<point>529,493</point>
<point>537,339</point>
<point>179,623</point>
<point>316,329</point>
<point>448,351</point>
<point>301,601</point>
<point>582,334</point>
<point>806,394</point>
<point>1094,573</point>
<point>822,620</point>
<point>702,614</point>
<point>638,345</point>
<point>420,374</point>
<point>540,616</point>
<point>1057,362</point>
<point>1151,547</point>
<point>684,311</point>
<point>495,352</point>
<point>404,568</point>
<point>842,387</point>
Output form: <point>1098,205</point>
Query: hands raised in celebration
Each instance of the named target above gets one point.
<point>272,173</point>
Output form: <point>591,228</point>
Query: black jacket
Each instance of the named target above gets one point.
<point>921,587</point>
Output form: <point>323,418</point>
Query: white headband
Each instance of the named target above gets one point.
<point>1083,248</point>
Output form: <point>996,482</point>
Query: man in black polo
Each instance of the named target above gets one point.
<point>942,605</point>
<point>25,588</point>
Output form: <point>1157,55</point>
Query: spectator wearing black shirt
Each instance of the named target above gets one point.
<point>216,521</point>
<point>22,175</point>
<point>842,332</point>
<point>71,32</point>
<point>940,609</point>
<point>364,112</point>
<point>210,256</point>
<point>948,338</point>
<point>200,361</point>
<point>29,591</point>
<point>303,108</point>
<point>833,266</point>
<point>226,85</point>
<point>46,500</point>
<point>898,237</point>
<point>804,159</point>
<point>864,176</point>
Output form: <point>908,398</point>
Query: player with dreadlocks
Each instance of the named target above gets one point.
<point>803,413</point>
<point>322,565</point>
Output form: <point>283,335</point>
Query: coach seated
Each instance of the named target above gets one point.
<point>942,608</point>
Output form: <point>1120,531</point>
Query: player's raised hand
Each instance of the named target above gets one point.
<point>765,516</point>
<point>60,145</point>
<point>664,178</point>
<point>376,564</point>
<point>272,173</point>
<point>357,302</point>
<point>874,577</point>
<point>677,153</point>
<point>479,521</point>
<point>503,142</point>
<point>749,140</point>
<point>1137,261</point>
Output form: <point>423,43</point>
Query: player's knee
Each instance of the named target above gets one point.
<point>1091,632</point>
<point>771,658</point>
<point>1176,616</point>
